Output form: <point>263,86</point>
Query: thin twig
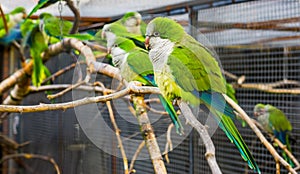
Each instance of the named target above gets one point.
<point>4,20</point>
<point>60,72</point>
<point>262,138</point>
<point>169,145</point>
<point>136,154</point>
<point>31,156</point>
<point>96,46</point>
<point>201,129</point>
<point>21,51</point>
<point>85,81</point>
<point>116,128</point>
<point>63,86</point>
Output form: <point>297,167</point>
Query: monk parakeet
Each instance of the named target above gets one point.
<point>41,4</point>
<point>185,69</point>
<point>57,29</point>
<point>275,122</point>
<point>116,29</point>
<point>134,65</point>
<point>133,22</point>
<point>13,18</point>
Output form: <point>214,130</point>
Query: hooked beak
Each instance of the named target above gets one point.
<point>103,35</point>
<point>108,50</point>
<point>147,42</point>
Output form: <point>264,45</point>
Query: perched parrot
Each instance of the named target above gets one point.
<point>35,39</point>
<point>185,69</point>
<point>115,29</point>
<point>134,65</point>
<point>51,26</point>
<point>275,122</point>
<point>133,22</point>
<point>41,4</point>
<point>13,18</point>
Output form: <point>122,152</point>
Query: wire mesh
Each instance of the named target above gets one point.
<point>258,39</point>
<point>255,39</point>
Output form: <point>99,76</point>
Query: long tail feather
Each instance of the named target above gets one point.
<point>172,113</point>
<point>220,109</point>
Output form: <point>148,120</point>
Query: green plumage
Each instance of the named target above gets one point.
<point>135,65</point>
<point>12,19</point>
<point>186,69</point>
<point>275,122</point>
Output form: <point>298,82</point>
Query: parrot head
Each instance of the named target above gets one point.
<point>132,19</point>
<point>112,29</point>
<point>18,10</point>
<point>45,15</point>
<point>259,109</point>
<point>163,28</point>
<point>118,47</point>
<point>19,13</point>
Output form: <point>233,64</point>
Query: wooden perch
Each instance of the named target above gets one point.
<point>131,88</point>
<point>116,129</point>
<point>201,129</point>
<point>148,134</point>
<point>262,138</point>
<point>32,156</point>
<point>266,87</point>
<point>278,142</point>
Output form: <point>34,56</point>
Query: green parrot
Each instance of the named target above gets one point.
<point>13,18</point>
<point>115,29</point>
<point>135,65</point>
<point>133,22</point>
<point>51,26</point>
<point>37,42</point>
<point>275,122</point>
<point>41,4</point>
<point>185,69</point>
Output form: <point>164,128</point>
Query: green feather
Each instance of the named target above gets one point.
<point>191,72</point>
<point>138,67</point>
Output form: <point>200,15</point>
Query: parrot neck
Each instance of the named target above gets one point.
<point>160,51</point>
<point>132,26</point>
<point>119,56</point>
<point>264,121</point>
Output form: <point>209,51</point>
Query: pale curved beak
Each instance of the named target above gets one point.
<point>147,42</point>
<point>108,50</point>
<point>103,35</point>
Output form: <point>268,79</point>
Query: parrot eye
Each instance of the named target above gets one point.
<point>156,34</point>
<point>115,45</point>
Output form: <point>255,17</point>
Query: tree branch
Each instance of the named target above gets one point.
<point>117,130</point>
<point>201,129</point>
<point>264,141</point>
<point>148,134</point>
<point>76,16</point>
<point>30,156</point>
<point>278,142</point>
<point>131,88</point>
<point>136,154</point>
